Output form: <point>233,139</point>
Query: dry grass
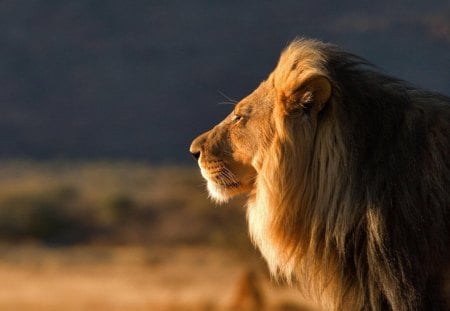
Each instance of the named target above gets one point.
<point>125,236</point>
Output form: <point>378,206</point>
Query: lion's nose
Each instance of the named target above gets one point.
<point>195,151</point>
<point>196,147</point>
<point>195,155</point>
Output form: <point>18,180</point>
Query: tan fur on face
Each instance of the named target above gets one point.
<point>347,174</point>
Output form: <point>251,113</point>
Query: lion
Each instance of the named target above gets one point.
<point>347,174</point>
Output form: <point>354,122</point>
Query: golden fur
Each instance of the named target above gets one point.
<point>347,173</point>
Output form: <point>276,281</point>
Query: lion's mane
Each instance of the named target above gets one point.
<point>356,209</point>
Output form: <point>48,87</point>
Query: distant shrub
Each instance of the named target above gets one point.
<point>46,216</point>
<point>116,209</point>
<point>113,202</point>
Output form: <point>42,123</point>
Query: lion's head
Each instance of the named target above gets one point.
<point>233,152</point>
<point>343,167</point>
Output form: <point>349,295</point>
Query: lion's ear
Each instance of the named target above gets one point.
<point>312,94</point>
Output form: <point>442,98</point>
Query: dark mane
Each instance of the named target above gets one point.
<point>372,196</point>
<point>387,123</point>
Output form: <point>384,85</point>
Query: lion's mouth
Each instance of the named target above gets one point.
<point>222,176</point>
<point>222,183</point>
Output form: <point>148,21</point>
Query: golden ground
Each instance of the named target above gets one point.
<point>134,278</point>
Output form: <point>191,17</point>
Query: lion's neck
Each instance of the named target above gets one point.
<point>293,214</point>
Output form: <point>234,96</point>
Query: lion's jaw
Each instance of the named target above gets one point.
<point>223,182</point>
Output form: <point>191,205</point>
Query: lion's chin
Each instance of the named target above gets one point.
<point>221,193</point>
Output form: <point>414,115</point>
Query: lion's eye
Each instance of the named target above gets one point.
<point>236,118</point>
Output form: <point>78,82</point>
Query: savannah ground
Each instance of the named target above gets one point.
<point>125,236</point>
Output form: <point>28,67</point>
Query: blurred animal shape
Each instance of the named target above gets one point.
<point>248,294</point>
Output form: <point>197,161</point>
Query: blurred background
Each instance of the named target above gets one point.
<point>101,207</point>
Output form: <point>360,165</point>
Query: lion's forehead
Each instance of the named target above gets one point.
<point>261,99</point>
<point>245,109</point>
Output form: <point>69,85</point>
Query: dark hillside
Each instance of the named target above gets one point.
<point>139,79</point>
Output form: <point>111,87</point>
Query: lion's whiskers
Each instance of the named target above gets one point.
<point>229,99</point>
